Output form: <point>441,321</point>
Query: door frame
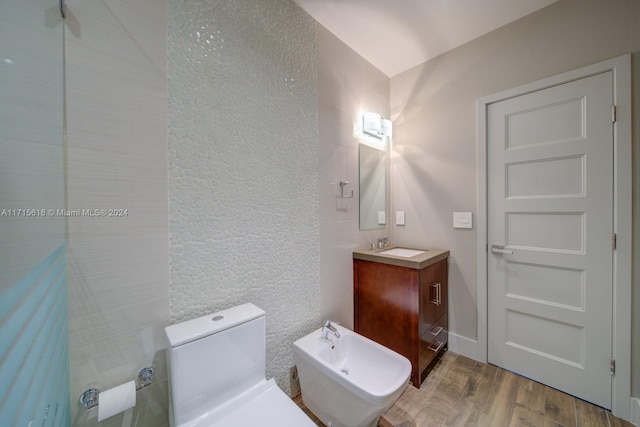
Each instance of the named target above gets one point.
<point>622,217</point>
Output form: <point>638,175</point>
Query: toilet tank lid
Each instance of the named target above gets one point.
<point>191,330</point>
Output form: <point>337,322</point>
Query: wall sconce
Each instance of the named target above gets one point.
<point>372,125</point>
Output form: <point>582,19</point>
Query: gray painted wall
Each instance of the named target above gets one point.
<point>347,84</point>
<point>434,109</point>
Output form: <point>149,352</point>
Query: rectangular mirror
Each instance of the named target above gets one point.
<point>373,200</point>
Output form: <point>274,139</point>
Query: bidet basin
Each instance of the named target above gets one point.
<point>349,381</point>
<point>402,252</point>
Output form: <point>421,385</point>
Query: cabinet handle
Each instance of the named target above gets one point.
<point>435,333</point>
<point>437,349</point>
<point>433,293</point>
<point>438,299</point>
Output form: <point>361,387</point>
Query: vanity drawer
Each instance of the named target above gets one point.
<point>433,341</point>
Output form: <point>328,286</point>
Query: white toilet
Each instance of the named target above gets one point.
<point>217,374</point>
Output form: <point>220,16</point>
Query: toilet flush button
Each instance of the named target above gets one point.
<point>462,220</point>
<point>216,318</point>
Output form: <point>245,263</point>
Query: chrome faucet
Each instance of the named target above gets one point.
<point>328,327</point>
<point>383,242</point>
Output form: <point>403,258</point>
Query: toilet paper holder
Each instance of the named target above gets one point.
<point>90,398</point>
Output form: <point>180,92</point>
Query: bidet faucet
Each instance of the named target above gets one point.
<point>328,327</point>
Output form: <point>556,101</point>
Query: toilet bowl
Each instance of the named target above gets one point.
<point>346,379</point>
<point>217,374</point>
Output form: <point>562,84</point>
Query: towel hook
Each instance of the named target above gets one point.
<point>342,185</point>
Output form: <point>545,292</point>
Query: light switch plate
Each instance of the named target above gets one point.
<point>462,220</point>
<point>399,217</point>
<point>381,218</point>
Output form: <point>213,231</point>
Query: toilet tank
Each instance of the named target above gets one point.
<point>213,359</point>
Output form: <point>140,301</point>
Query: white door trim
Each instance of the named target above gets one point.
<point>622,262</point>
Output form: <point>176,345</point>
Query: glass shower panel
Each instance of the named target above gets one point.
<point>34,367</point>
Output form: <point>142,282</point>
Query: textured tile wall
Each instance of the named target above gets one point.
<point>116,159</point>
<point>347,84</point>
<point>243,165</point>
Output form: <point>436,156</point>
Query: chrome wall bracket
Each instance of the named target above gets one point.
<point>145,376</point>
<point>89,398</point>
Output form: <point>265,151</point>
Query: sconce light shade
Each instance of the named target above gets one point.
<point>387,129</point>
<point>373,125</point>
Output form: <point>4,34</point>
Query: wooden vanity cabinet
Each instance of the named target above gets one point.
<point>404,309</point>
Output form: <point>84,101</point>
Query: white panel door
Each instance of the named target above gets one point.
<point>550,222</point>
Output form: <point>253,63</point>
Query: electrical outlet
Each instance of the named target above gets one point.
<point>294,381</point>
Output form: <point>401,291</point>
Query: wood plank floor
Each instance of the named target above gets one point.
<point>463,392</point>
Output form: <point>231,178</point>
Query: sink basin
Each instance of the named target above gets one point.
<point>402,252</point>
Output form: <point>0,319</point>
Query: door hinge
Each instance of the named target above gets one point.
<point>613,114</point>
<point>613,366</point>
<point>614,239</point>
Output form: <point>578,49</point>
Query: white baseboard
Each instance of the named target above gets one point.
<point>464,346</point>
<point>635,411</point>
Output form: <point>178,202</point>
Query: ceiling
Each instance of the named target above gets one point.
<point>395,35</point>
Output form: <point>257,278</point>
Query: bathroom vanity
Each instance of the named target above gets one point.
<point>400,301</point>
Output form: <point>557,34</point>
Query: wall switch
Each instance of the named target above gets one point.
<point>381,218</point>
<point>462,220</point>
<point>399,217</point>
